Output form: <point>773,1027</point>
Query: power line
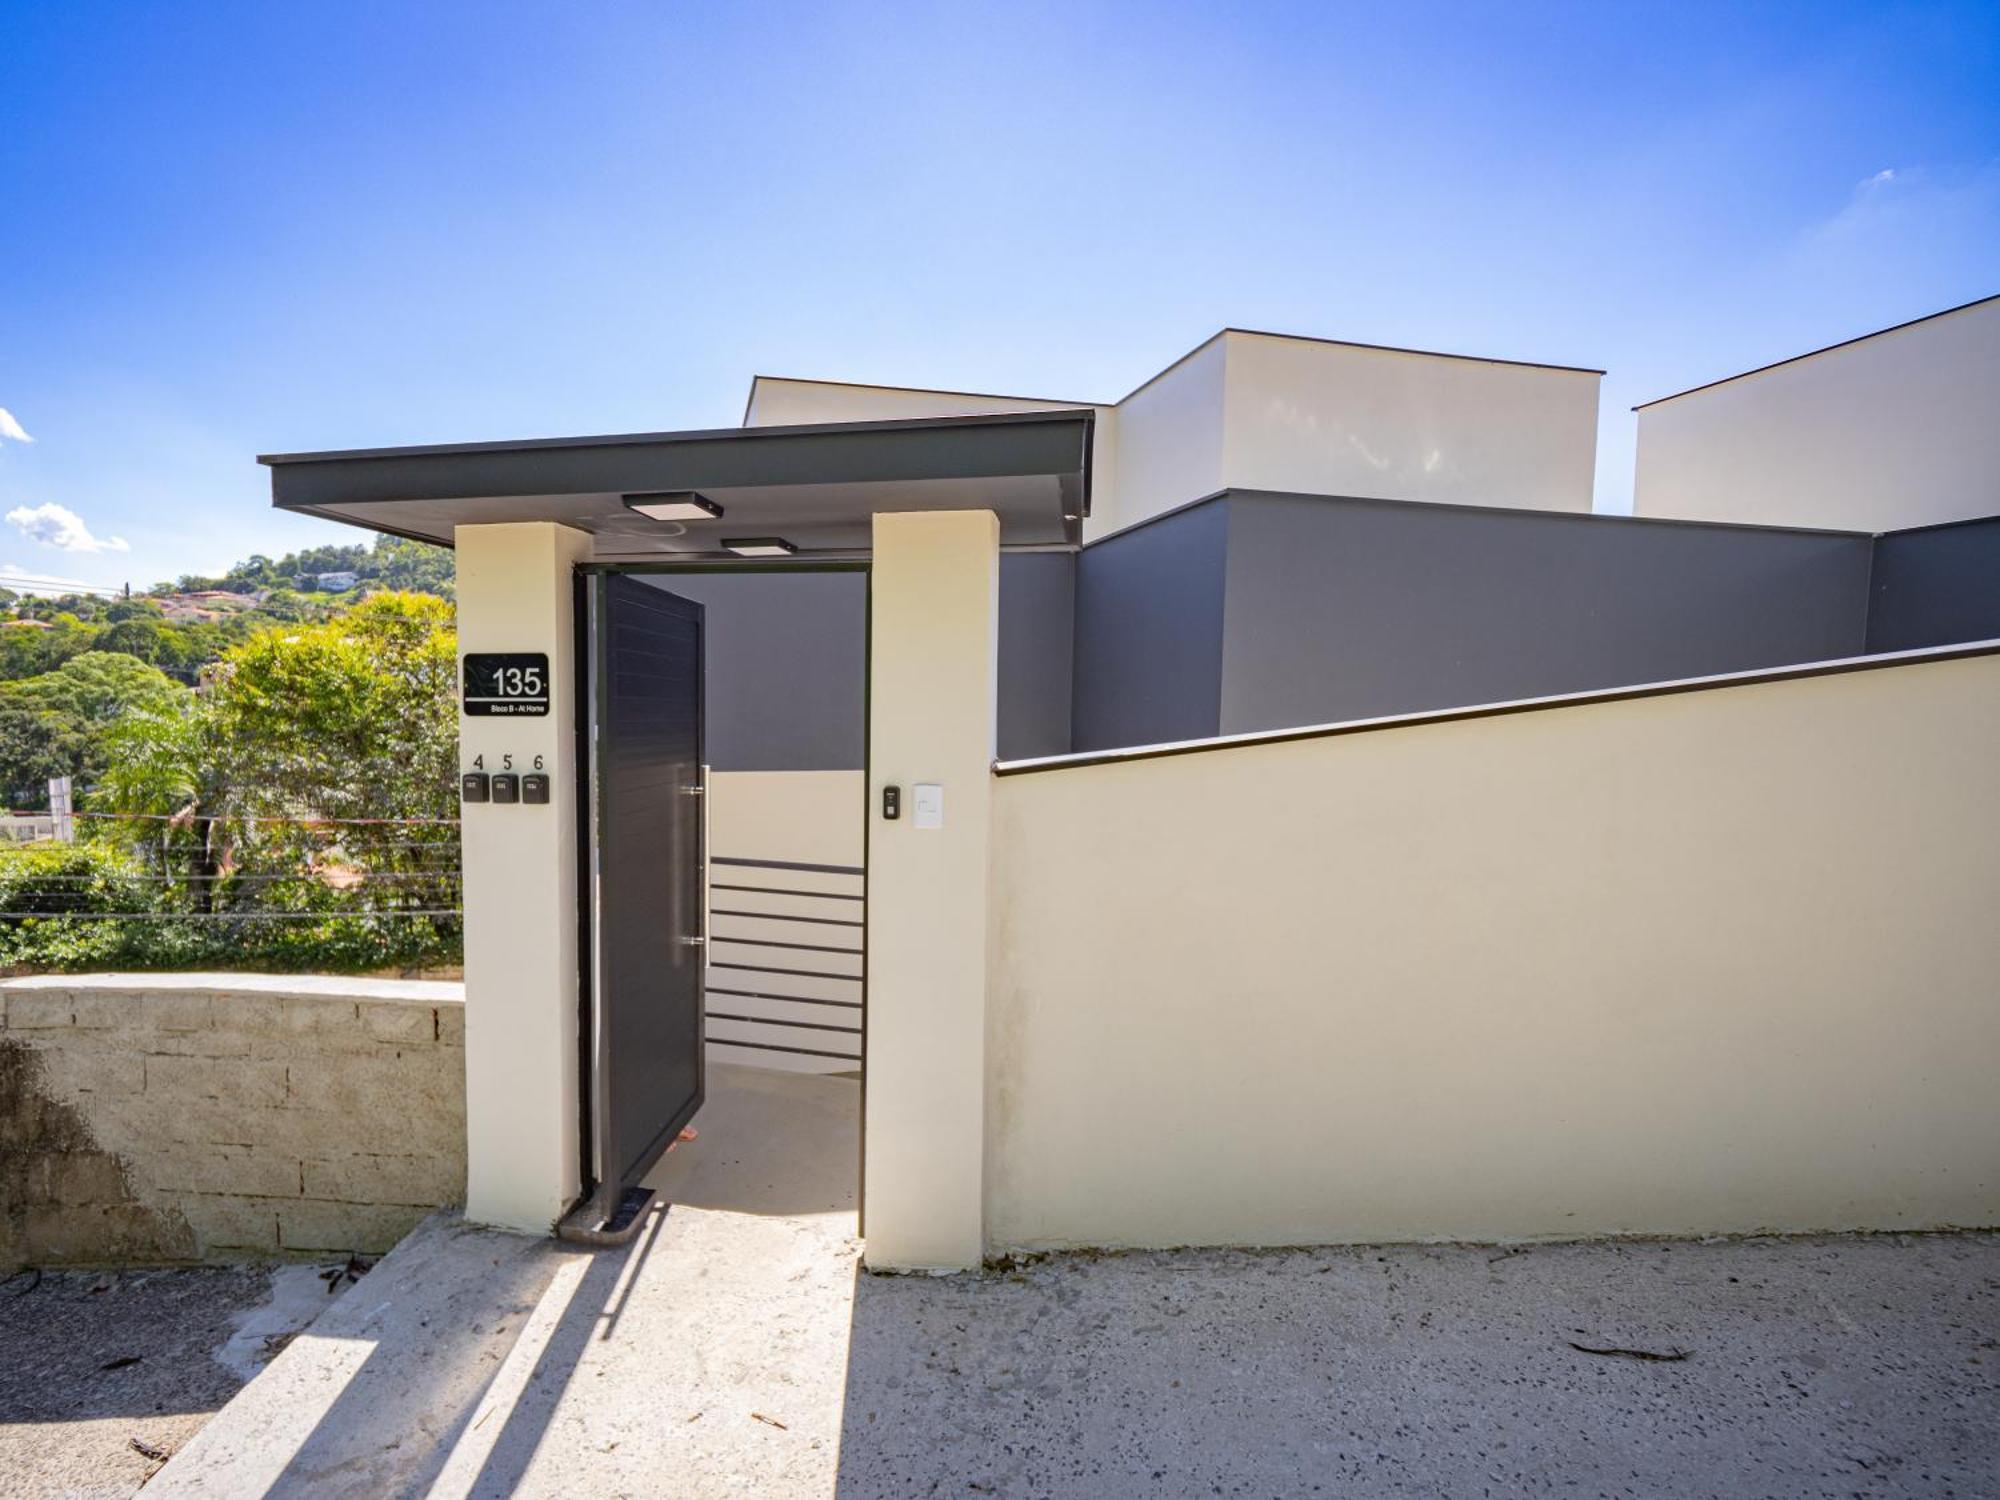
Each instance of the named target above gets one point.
<point>225,916</point>
<point>228,817</point>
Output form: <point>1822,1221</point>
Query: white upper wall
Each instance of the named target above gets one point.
<point>777,401</point>
<point>1891,430</point>
<point>1394,424</point>
<point>1269,411</point>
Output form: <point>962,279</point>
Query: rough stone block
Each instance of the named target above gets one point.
<point>240,1171</point>
<point>178,1012</point>
<point>110,1010</point>
<point>220,1222</point>
<point>79,1177</point>
<point>391,1021</point>
<point>213,1122</point>
<point>202,1043</point>
<point>355,1228</point>
<point>390,1083</point>
<point>104,1232</point>
<point>242,1080</point>
<point>286,1015</point>
<point>451,1025</point>
<point>37,1010</point>
<point>418,1181</point>
<point>76,1070</point>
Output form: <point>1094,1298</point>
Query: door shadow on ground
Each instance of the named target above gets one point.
<point>463,1402</point>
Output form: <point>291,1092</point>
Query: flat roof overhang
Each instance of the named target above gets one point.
<point>818,487</point>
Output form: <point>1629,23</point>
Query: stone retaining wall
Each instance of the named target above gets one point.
<point>151,1118</point>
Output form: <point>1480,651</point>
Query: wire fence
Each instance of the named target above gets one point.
<point>154,889</point>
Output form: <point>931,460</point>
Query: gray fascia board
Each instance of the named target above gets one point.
<point>1002,445</point>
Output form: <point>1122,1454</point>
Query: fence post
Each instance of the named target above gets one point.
<point>62,827</point>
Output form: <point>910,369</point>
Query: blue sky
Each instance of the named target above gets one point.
<point>229,229</point>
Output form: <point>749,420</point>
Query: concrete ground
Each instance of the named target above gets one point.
<point>103,1373</point>
<point>734,1349</point>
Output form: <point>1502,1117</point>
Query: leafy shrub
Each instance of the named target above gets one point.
<point>69,907</point>
<point>53,904</point>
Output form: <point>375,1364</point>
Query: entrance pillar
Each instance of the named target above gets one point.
<point>516,594</point>
<point>933,655</point>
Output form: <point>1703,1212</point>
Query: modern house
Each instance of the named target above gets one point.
<point>1270,807</point>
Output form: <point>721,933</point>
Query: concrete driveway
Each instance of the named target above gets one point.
<point>734,1349</point>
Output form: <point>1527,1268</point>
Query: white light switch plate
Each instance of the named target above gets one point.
<point>927,804</point>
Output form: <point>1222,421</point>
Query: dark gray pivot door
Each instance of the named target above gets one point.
<point>648,1073</point>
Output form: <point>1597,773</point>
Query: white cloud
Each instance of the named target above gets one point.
<point>10,429</point>
<point>59,527</point>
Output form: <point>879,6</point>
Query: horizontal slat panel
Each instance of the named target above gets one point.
<point>726,953</point>
<point>796,942</point>
<point>809,904</point>
<point>785,964</point>
<point>776,1061</point>
<point>798,1038</point>
<point>770,981</point>
<point>810,882</point>
<point>775,1008</point>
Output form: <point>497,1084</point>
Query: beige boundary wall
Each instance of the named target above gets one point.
<point>147,1118</point>
<point>1721,961</point>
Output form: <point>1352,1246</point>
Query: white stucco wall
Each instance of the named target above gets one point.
<point>1722,961</point>
<point>1266,411</point>
<point>809,817</point>
<point>778,401</point>
<point>1168,439</point>
<point>1346,419</point>
<point>516,593</point>
<point>934,634</point>
<point>1889,431</point>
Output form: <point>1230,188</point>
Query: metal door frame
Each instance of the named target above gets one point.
<point>586,840</point>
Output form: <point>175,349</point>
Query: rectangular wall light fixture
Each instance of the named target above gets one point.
<point>674,505</point>
<point>759,546</point>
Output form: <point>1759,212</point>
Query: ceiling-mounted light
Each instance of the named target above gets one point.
<point>759,546</point>
<point>674,505</point>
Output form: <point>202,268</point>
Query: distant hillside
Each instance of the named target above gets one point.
<point>181,627</point>
<point>391,563</point>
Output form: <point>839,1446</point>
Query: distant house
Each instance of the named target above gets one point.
<point>27,625</point>
<point>337,583</point>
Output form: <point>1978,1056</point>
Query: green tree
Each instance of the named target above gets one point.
<point>238,786</point>
<point>353,718</point>
<point>137,637</point>
<point>95,687</point>
<point>56,720</point>
<point>35,746</point>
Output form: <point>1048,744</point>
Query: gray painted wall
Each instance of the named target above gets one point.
<point>1935,586</point>
<point>1343,609</point>
<point>1149,637</point>
<point>787,663</point>
<point>787,667</point>
<point>1263,611</point>
<point>1037,648</point>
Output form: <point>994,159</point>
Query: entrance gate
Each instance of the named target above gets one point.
<point>644,1040</point>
